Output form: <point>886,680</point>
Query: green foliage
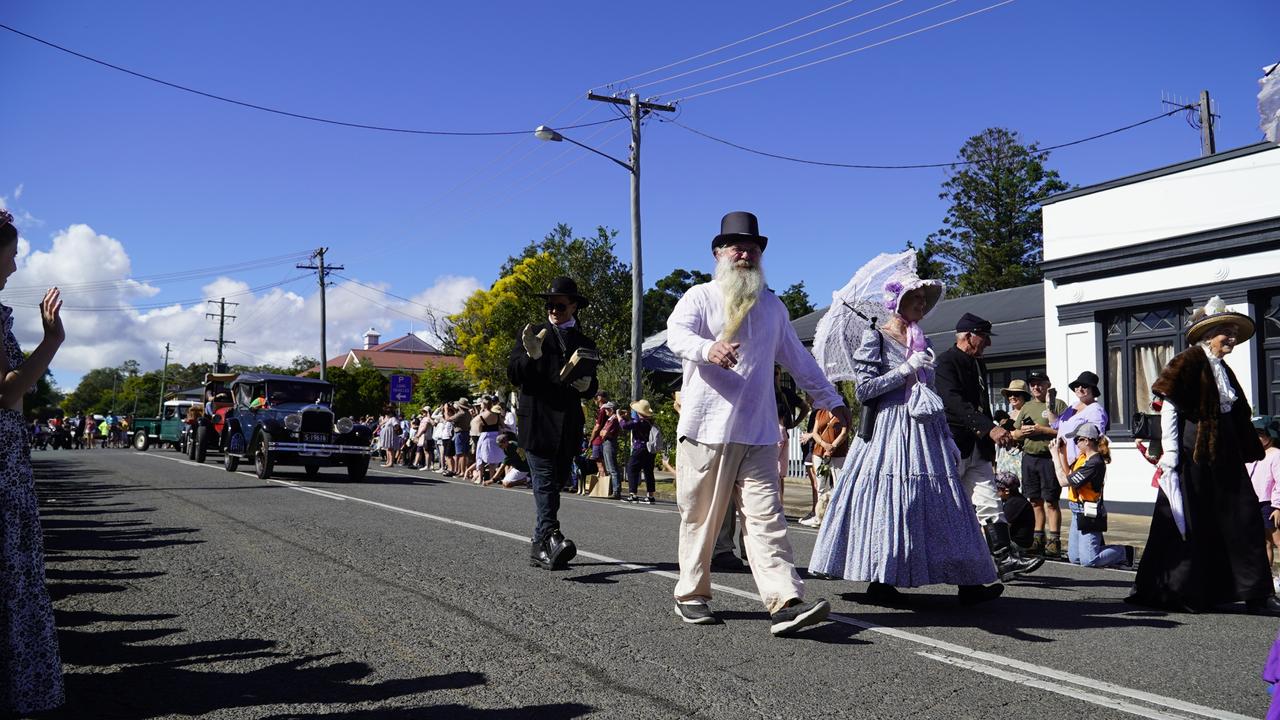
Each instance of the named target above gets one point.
<point>43,402</point>
<point>358,391</point>
<point>489,324</point>
<point>991,236</point>
<point>661,299</point>
<point>796,300</point>
<point>94,392</point>
<point>439,384</point>
<point>929,266</point>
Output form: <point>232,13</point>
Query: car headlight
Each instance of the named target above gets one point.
<point>293,422</point>
<point>344,425</point>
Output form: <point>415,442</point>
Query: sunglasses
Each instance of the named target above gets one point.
<point>558,307</point>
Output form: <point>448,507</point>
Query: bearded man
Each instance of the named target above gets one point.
<point>728,334</point>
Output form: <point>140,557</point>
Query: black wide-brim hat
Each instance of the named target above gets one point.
<point>1086,379</point>
<point>565,285</point>
<point>739,225</point>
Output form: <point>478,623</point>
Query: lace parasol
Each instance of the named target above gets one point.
<point>854,308</point>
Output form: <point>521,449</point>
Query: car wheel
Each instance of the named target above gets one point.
<point>202,444</point>
<point>141,441</point>
<point>189,441</point>
<point>263,463</point>
<point>312,470</point>
<point>357,469</point>
<point>230,461</point>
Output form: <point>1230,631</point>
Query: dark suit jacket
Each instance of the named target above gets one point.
<point>549,415</point>
<point>959,381</point>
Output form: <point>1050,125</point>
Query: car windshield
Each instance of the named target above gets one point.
<point>281,392</point>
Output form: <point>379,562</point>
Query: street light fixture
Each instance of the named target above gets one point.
<point>637,274</point>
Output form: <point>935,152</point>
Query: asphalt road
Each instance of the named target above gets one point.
<point>185,590</point>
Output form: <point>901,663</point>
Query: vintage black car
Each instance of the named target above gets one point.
<point>286,420</point>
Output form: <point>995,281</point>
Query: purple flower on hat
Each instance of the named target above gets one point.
<point>893,288</point>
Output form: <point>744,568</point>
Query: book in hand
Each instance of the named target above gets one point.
<point>582,363</point>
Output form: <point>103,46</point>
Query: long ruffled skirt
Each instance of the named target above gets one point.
<point>899,513</point>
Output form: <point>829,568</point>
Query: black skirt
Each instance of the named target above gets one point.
<point>1223,558</point>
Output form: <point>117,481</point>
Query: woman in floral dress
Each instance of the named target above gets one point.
<point>30,668</point>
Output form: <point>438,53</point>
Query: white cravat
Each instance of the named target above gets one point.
<point>1226,394</point>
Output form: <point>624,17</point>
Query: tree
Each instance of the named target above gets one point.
<point>301,364</point>
<point>796,300</point>
<point>440,383</point>
<point>929,267</point>
<point>488,325</point>
<point>661,299</point>
<point>991,236</point>
<point>43,401</point>
<point>358,391</point>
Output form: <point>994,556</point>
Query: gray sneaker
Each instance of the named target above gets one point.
<point>801,615</point>
<point>696,613</point>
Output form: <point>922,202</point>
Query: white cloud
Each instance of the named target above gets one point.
<point>17,192</point>
<point>110,322</point>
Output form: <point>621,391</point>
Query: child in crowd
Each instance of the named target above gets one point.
<point>1265,475</point>
<point>1017,510</point>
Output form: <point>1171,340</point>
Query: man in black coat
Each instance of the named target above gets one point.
<point>961,382</point>
<point>549,415</point>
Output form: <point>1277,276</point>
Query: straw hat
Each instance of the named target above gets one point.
<point>1016,386</point>
<point>643,408</point>
<point>1215,315</point>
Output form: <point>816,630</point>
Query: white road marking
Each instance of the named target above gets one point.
<point>1082,688</point>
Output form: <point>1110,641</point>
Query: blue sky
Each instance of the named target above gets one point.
<point>139,179</point>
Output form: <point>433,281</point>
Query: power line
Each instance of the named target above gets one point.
<point>432,308</point>
<point>953,163</point>
<point>832,57</point>
<point>725,47</point>
<point>263,108</point>
<point>770,47</point>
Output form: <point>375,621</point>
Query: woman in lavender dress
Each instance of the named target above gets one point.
<point>30,668</point>
<point>899,516</point>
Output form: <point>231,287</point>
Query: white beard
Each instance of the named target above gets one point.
<point>741,287</point>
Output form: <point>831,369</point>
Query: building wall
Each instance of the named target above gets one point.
<point>1082,303</point>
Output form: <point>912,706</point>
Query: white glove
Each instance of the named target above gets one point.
<point>581,384</point>
<point>919,361</point>
<point>533,343</point>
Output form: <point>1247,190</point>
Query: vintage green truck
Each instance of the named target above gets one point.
<point>167,428</point>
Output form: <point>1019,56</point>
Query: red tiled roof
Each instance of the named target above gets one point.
<point>392,360</point>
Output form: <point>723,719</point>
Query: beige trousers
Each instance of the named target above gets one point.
<point>707,476</point>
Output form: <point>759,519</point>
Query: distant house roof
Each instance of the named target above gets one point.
<point>1016,315</point>
<point>408,352</point>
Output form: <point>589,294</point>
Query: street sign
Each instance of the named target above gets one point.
<point>401,388</point>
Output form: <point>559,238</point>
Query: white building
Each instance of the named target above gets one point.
<point>1126,262</point>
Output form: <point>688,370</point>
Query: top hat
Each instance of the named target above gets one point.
<point>1216,315</point>
<point>1086,379</point>
<point>1016,386</point>
<point>565,285</point>
<point>739,225</point>
<point>974,324</point>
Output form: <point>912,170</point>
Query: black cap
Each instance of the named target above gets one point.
<point>739,225</point>
<point>1037,376</point>
<point>974,324</point>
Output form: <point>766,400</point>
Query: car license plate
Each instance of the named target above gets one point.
<point>315,437</point>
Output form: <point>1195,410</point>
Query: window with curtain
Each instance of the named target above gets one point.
<point>1139,342</point>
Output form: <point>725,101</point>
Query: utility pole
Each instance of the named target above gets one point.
<point>638,110</point>
<point>222,324</point>
<point>1206,125</point>
<point>322,271</point>
<point>164,378</point>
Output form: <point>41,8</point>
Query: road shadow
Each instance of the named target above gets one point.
<point>1012,617</point>
<point>125,665</point>
<point>609,577</point>
<point>558,711</point>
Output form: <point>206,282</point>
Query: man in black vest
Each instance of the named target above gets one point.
<point>549,414</point>
<point>961,381</point>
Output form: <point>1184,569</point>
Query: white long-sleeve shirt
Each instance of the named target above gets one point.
<point>719,405</point>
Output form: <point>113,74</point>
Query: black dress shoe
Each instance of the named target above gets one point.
<point>879,593</point>
<point>1268,605</point>
<point>538,556</point>
<point>559,550</point>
